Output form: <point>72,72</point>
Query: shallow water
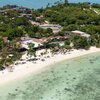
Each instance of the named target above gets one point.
<point>75,79</point>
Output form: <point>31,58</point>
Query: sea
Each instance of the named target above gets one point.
<point>39,3</point>
<point>74,79</point>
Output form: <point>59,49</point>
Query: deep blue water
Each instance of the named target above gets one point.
<point>39,3</point>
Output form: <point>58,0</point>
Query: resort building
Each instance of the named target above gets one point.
<point>55,27</point>
<point>39,18</point>
<point>29,16</point>
<point>15,7</point>
<point>26,40</point>
<point>11,6</point>
<point>24,9</point>
<point>77,32</point>
<point>34,23</point>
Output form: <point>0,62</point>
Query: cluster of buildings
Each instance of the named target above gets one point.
<point>14,7</point>
<point>45,25</point>
<point>24,13</point>
<point>39,42</point>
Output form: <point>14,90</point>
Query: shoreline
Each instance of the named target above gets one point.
<point>22,70</point>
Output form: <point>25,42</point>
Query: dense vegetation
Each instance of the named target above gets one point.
<point>70,16</point>
<point>73,17</point>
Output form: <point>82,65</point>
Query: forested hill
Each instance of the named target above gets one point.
<point>81,16</point>
<point>17,22</point>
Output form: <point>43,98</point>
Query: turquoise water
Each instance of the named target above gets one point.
<point>39,3</point>
<point>75,79</point>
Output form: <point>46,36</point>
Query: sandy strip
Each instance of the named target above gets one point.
<point>23,70</point>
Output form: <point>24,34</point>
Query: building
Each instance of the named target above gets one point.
<point>12,6</point>
<point>15,7</point>
<point>26,40</point>
<point>67,33</point>
<point>25,43</point>
<point>34,23</point>
<point>77,32</point>
<point>29,16</point>
<point>24,9</point>
<point>55,27</point>
<point>39,18</point>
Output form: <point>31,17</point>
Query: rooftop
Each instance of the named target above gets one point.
<point>55,27</point>
<point>81,33</point>
<point>25,43</point>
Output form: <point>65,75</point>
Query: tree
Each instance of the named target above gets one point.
<point>1,43</point>
<point>31,50</point>
<point>52,50</point>
<point>81,42</point>
<point>13,33</point>
<point>66,1</point>
<point>20,21</point>
<point>10,62</point>
<point>67,47</point>
<point>1,64</point>
<point>49,30</point>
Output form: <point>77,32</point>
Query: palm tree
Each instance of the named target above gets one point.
<point>66,1</point>
<point>31,50</point>
<point>1,43</point>
<point>46,51</point>
<point>2,64</point>
<point>52,51</point>
<point>4,54</point>
<point>9,62</point>
<point>15,44</point>
<point>68,47</point>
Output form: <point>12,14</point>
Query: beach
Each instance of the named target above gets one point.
<point>24,70</point>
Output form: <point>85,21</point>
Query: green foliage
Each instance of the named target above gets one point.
<point>37,32</point>
<point>95,40</point>
<point>20,21</point>
<point>74,16</point>
<point>81,42</point>
<point>31,50</point>
<point>1,43</point>
<point>71,16</point>
<point>66,1</point>
<point>67,42</point>
<point>13,33</point>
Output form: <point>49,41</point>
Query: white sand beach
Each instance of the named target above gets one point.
<point>29,67</point>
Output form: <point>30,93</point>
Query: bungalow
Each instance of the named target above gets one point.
<point>55,27</point>
<point>34,23</point>
<point>67,33</point>
<point>40,17</point>
<point>29,16</point>
<point>26,40</point>
<point>9,8</point>
<point>24,9</point>
<point>12,6</point>
<point>77,32</point>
